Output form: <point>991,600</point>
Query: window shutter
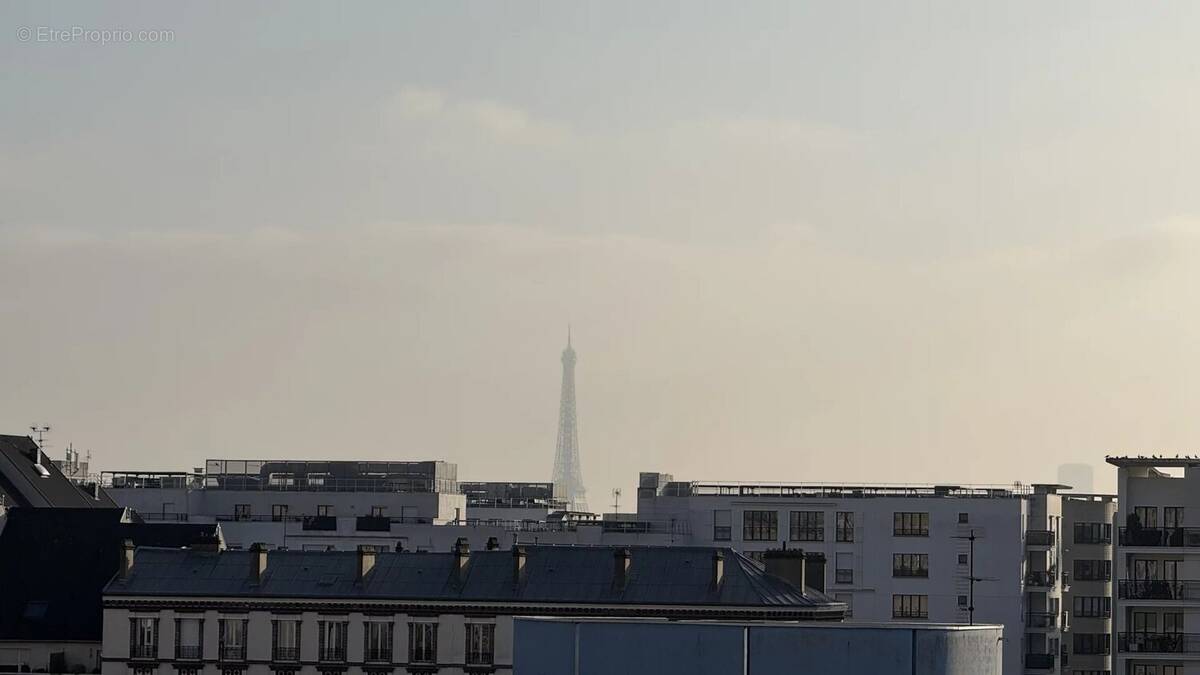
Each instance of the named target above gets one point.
<point>391,632</point>
<point>274,638</point>
<point>200,640</point>
<point>132,635</point>
<point>245,637</point>
<point>155,646</point>
<point>321,640</point>
<point>366,640</point>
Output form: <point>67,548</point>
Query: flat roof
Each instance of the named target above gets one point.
<point>1153,460</point>
<point>850,624</point>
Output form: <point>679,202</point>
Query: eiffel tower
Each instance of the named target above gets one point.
<point>568,478</point>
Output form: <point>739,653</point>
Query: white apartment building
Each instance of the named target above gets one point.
<point>898,553</point>
<point>259,612</point>
<point>1157,614</point>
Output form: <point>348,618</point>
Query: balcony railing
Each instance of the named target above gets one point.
<point>1160,536</point>
<point>332,654</point>
<point>1158,590</point>
<point>320,523</point>
<point>1039,537</point>
<point>373,524</point>
<point>1042,620</point>
<point>909,572</point>
<point>143,652</point>
<point>187,652</point>
<point>1159,643</point>
<point>233,653</point>
<point>379,655</point>
<point>1039,661</point>
<point>1041,577</point>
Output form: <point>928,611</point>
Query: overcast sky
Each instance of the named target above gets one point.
<point>922,241</point>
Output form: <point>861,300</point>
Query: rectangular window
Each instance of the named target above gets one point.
<point>285,640</point>
<point>422,643</point>
<point>1093,606</point>
<point>962,559</point>
<point>481,644</point>
<point>910,606</point>
<point>1093,533</point>
<point>845,526</point>
<point>324,510</point>
<point>964,518</point>
<point>760,525</point>
<point>232,639</point>
<point>378,641</point>
<point>1147,516</point>
<point>188,636</point>
<point>331,640</point>
<point>1173,622</point>
<point>844,568</point>
<point>143,638</point>
<point>962,601</point>
<point>279,512</point>
<point>378,511</point>
<point>807,526</point>
<point>1172,516</point>
<point>722,525</point>
<point>1091,643</point>
<point>241,512</point>
<point>910,564</point>
<point>1093,570</point>
<point>910,524</point>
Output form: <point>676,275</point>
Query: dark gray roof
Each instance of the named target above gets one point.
<point>553,574</point>
<point>21,480</point>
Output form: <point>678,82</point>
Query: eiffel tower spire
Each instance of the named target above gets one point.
<point>568,478</point>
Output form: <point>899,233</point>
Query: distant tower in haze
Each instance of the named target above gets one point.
<point>1078,476</point>
<point>568,478</point>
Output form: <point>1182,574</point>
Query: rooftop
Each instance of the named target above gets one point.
<point>32,479</point>
<point>852,490</point>
<point>1153,460</point>
<point>552,574</point>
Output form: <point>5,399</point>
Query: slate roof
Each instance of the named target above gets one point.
<point>553,574</point>
<point>20,479</point>
<point>54,564</point>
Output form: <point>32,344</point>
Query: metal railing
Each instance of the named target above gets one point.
<point>1039,661</point>
<point>1160,536</point>
<point>379,655</point>
<point>1042,620</point>
<point>143,652</point>
<point>1039,537</point>
<point>188,652</point>
<point>232,653</point>
<point>1142,589</point>
<point>320,523</point>
<point>1041,578</point>
<point>1159,643</point>
<point>287,653</point>
<point>335,654</point>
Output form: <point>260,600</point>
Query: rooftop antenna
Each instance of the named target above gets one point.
<point>40,430</point>
<point>971,576</point>
<point>616,500</point>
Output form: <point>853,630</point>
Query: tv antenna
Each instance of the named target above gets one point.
<point>971,578</point>
<point>616,493</point>
<point>40,430</point>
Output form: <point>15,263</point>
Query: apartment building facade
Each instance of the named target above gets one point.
<point>949,554</point>
<point>1088,591</point>
<point>254,612</point>
<point>1156,620</point>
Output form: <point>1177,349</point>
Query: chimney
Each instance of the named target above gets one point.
<point>207,543</point>
<point>96,491</point>
<point>493,544</point>
<point>366,562</point>
<point>258,562</point>
<point>519,555</point>
<point>718,567</point>
<point>462,556</point>
<point>621,560</point>
<point>814,571</point>
<point>399,547</point>
<point>126,558</point>
<point>787,564</point>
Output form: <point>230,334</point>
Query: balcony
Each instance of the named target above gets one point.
<point>143,652</point>
<point>1043,578</point>
<point>1160,536</point>
<point>373,524</point>
<point>1159,643</point>
<point>232,653</point>
<point>1039,661</point>
<point>332,655</point>
<point>1042,620</point>
<point>1039,538</point>
<point>1158,590</point>
<point>378,655</point>
<point>187,652</point>
<point>320,523</point>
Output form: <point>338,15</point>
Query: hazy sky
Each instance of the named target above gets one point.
<point>923,241</point>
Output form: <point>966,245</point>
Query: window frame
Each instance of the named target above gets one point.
<point>806,526</point>
<point>480,643</point>
<point>760,525</point>
<point>910,606</point>
<point>910,523</point>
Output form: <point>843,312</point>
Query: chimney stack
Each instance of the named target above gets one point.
<point>621,560</point>
<point>258,562</point>
<point>718,567</point>
<point>366,562</point>
<point>207,543</point>
<point>399,547</point>
<point>519,555</point>
<point>814,571</point>
<point>493,544</point>
<point>96,491</point>
<point>787,564</point>
<point>462,556</point>
<point>126,558</point>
